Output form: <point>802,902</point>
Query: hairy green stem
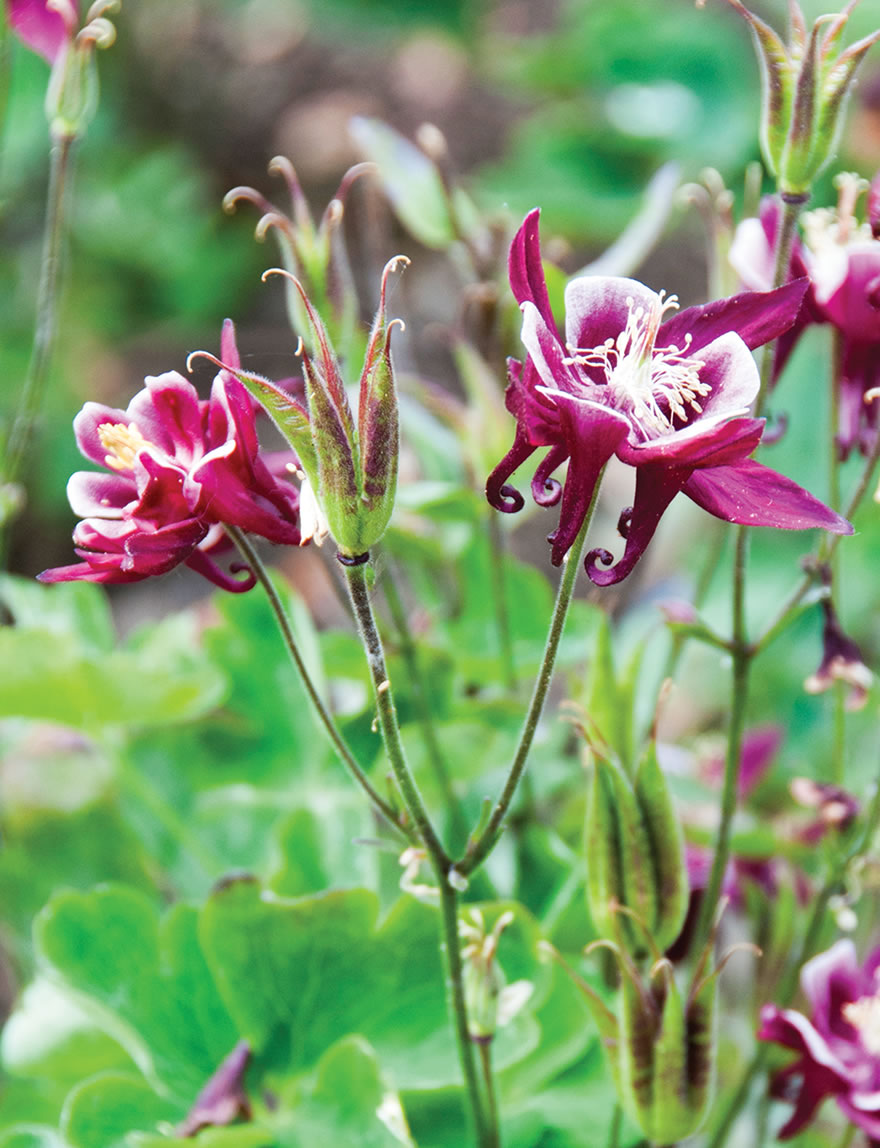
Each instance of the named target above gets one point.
<point>485,1049</point>
<point>433,749</point>
<point>482,846</point>
<point>499,599</point>
<point>46,323</point>
<point>742,658</point>
<point>255,563</point>
<point>359,592</point>
<point>784,242</point>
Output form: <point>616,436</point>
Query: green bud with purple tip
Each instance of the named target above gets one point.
<point>805,84</point>
<point>635,854</point>
<point>350,467</point>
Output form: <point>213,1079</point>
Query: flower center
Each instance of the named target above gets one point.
<point>830,227</point>
<point>653,384</point>
<point>122,443</point>
<point>864,1016</point>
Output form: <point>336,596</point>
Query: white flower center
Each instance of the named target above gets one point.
<point>122,443</point>
<point>653,384</point>
<point>864,1015</point>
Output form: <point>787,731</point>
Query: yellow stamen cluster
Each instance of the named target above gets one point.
<point>864,1015</point>
<point>122,443</point>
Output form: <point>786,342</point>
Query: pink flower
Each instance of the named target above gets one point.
<point>839,1047</point>
<point>45,26</point>
<point>668,398</point>
<point>179,468</point>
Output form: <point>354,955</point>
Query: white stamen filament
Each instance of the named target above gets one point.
<point>654,385</point>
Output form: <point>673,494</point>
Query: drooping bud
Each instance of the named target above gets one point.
<point>635,854</point>
<point>315,255</point>
<point>51,28</point>
<point>842,661</point>
<point>805,84</point>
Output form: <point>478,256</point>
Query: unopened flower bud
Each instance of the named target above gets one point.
<point>635,854</point>
<point>805,86</point>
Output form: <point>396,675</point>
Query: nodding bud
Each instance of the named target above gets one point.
<point>635,856</point>
<point>805,86</point>
<point>842,661</point>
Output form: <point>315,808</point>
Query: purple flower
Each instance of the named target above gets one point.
<point>179,468</point>
<point>46,28</point>
<point>668,398</point>
<point>842,661</point>
<point>839,1047</point>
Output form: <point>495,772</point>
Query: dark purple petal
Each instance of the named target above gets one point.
<point>592,434</point>
<point>202,564</point>
<point>597,308</point>
<point>526,271</point>
<point>546,352</point>
<point>705,443</point>
<point>754,495</point>
<point>547,491</point>
<point>43,29</point>
<point>499,494</point>
<point>656,486</point>
<point>756,316</point>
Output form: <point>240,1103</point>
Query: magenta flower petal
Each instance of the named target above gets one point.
<point>754,495</point>
<point>756,316</point>
<point>43,29</point>
<point>526,271</point>
<point>100,495</point>
<point>597,307</point>
<point>86,425</point>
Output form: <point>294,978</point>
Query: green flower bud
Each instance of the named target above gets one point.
<point>805,85</point>
<point>351,469</point>
<point>491,1001</point>
<point>635,854</point>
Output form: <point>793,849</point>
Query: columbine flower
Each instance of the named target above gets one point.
<point>668,398</point>
<point>839,1047</point>
<point>179,468</point>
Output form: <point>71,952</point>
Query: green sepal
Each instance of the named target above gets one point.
<point>776,87</point>
<point>638,1020</point>
<point>286,413</point>
<point>602,847</point>
<point>658,816</point>
<point>670,1116</point>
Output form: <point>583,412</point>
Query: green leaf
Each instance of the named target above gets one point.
<point>67,608</point>
<point>100,1112</point>
<point>412,181</point>
<point>24,1136</point>
<point>146,982</point>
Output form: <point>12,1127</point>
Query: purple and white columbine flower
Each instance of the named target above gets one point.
<point>670,398</point>
<point>839,1047</point>
<point>179,469</point>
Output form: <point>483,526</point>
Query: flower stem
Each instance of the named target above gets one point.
<point>46,324</point>
<point>784,242</point>
<point>356,581</point>
<point>491,1100</point>
<point>433,750</point>
<point>742,656</point>
<point>499,598</point>
<point>479,849</point>
<point>253,560</point>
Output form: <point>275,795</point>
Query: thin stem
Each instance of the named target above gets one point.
<point>742,657</point>
<point>784,241</point>
<point>255,563</point>
<point>486,1128</point>
<point>489,1089</point>
<point>433,750</point>
<point>46,323</point>
<point>356,580</point>
<point>499,599</point>
<point>480,848</point>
